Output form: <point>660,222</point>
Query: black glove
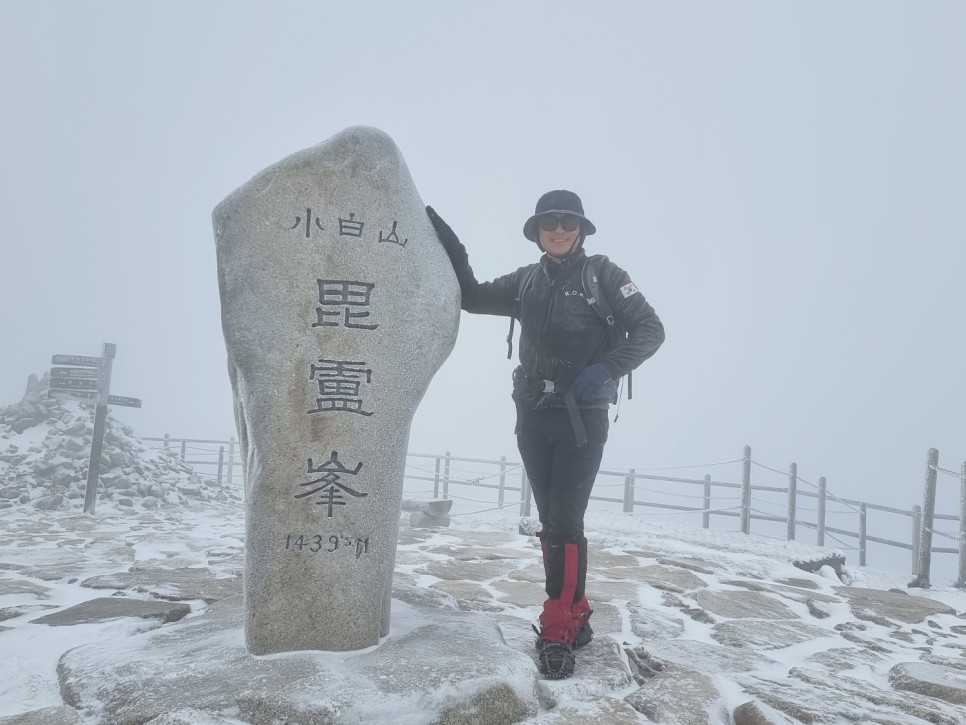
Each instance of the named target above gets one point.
<point>595,383</point>
<point>451,243</point>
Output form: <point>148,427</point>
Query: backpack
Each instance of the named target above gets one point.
<point>595,298</point>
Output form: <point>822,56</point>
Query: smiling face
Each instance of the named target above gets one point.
<point>558,242</point>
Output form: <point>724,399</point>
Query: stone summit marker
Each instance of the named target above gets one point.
<point>338,306</point>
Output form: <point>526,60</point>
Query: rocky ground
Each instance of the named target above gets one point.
<point>141,612</point>
<point>134,615</point>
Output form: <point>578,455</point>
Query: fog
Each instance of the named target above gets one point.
<point>783,181</point>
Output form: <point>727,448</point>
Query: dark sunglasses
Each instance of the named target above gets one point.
<point>569,222</point>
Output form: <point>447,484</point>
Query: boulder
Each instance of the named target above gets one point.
<point>440,666</point>
<point>338,306</point>
<point>944,683</point>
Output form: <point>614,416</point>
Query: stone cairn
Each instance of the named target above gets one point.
<point>338,306</point>
<point>50,471</point>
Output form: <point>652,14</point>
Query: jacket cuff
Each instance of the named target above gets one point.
<point>615,372</point>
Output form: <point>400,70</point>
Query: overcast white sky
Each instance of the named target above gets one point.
<point>784,181</point>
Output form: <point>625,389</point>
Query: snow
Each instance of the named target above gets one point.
<point>72,546</point>
<point>931,673</point>
<point>28,670</point>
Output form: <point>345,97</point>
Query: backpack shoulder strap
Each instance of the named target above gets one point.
<point>598,300</point>
<point>595,296</point>
<point>526,281</point>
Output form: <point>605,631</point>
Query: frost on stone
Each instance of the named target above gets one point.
<point>45,449</point>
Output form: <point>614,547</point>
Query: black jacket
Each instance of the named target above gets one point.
<point>560,333</point>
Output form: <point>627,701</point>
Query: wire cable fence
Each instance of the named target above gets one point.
<point>781,500</point>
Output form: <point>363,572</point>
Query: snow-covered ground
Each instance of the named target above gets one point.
<point>703,620</point>
<point>46,556</point>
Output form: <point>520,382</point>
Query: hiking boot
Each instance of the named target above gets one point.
<point>584,635</point>
<point>557,660</point>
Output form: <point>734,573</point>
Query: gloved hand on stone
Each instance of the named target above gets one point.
<point>595,383</point>
<point>451,243</point>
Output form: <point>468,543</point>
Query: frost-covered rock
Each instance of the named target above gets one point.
<point>45,450</point>
<point>442,666</point>
<point>944,683</point>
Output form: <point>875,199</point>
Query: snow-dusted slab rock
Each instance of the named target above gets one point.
<point>437,666</point>
<point>714,658</point>
<point>945,683</point>
<point>103,609</point>
<point>891,604</point>
<point>676,695</point>
<point>765,634</point>
<point>11,612</point>
<point>758,713</point>
<point>338,306</point>
<point>744,605</point>
<point>813,696</point>
<point>600,711</point>
<point>173,584</point>
<point>61,715</point>
<point>9,586</point>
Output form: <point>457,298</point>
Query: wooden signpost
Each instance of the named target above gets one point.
<point>80,376</point>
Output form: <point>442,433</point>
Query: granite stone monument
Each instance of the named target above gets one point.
<point>338,306</point>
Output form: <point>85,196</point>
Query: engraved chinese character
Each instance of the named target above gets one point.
<point>393,237</point>
<point>344,294</point>
<point>339,382</point>
<point>350,227</point>
<point>308,223</point>
<point>331,488</point>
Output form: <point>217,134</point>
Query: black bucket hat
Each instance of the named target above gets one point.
<point>559,201</point>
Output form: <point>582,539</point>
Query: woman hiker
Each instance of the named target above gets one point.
<point>570,363</point>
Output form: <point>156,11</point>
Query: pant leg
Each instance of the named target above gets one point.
<point>536,451</point>
<point>573,471</point>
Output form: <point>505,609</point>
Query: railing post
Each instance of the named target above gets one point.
<point>446,476</point>
<point>928,512</point>
<point>706,516</point>
<point>746,492</point>
<point>916,534</point>
<point>863,542</point>
<point>820,521</point>
<point>524,492</point>
<point>961,582</point>
<point>221,462</point>
<point>167,438</point>
<point>500,491</point>
<point>436,478</point>
<point>633,481</point>
<point>184,445</point>
<point>629,492</point>
<point>231,458</point>
<point>792,499</point>
<point>529,497</point>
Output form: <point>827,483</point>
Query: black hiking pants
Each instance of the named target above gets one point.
<point>561,476</point>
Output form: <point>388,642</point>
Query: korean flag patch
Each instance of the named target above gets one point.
<point>629,289</point>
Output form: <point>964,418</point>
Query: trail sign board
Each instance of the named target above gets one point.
<point>82,376</point>
<point>74,372</point>
<point>91,362</point>
<point>62,394</point>
<point>124,400</point>
<point>71,384</point>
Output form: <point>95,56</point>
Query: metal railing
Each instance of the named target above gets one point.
<point>201,452</point>
<point>505,486</point>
